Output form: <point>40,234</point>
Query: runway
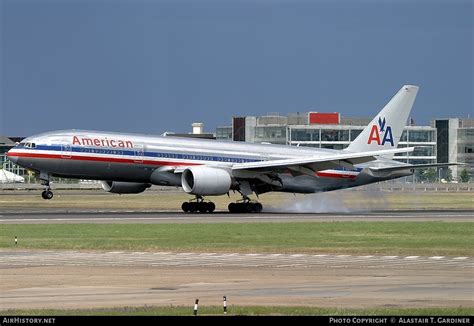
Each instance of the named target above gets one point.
<point>77,279</point>
<point>32,279</point>
<point>141,216</point>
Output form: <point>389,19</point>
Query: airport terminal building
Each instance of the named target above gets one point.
<point>455,143</point>
<point>445,140</point>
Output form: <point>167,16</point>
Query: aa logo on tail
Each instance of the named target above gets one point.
<point>381,131</point>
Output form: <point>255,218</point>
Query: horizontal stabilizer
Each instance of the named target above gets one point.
<point>412,166</point>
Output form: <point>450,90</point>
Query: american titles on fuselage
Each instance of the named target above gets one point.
<point>102,142</point>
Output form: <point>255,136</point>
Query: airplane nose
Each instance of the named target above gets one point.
<point>12,157</point>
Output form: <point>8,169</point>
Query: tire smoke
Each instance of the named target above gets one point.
<point>341,201</point>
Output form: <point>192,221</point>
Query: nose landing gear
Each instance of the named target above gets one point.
<point>47,193</point>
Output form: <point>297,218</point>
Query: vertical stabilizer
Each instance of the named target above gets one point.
<point>385,130</point>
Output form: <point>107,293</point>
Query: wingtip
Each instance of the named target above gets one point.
<point>410,88</point>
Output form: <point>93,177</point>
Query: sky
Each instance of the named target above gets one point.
<point>154,66</point>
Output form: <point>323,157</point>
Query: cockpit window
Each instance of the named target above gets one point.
<point>29,145</point>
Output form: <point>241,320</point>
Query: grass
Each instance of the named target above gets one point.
<point>247,311</point>
<point>155,200</point>
<point>423,238</point>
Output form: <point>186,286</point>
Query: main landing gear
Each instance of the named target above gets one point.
<point>245,206</point>
<point>199,205</point>
<point>47,193</point>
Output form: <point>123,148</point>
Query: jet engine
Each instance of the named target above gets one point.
<point>203,180</point>
<point>124,187</point>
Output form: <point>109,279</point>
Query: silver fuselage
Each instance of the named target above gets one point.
<point>133,158</point>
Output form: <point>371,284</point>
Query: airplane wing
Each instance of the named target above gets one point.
<point>311,165</point>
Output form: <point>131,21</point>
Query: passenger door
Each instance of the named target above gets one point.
<point>139,152</point>
<point>66,150</point>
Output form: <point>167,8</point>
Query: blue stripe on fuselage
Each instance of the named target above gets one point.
<point>170,155</point>
<point>135,153</point>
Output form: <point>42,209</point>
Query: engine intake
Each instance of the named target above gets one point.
<point>118,187</point>
<point>202,180</point>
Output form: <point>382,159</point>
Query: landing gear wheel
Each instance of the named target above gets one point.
<point>193,207</point>
<point>258,208</point>
<point>45,179</point>
<point>202,207</point>
<point>47,194</point>
<point>198,205</point>
<point>211,207</point>
<point>185,207</point>
<point>245,207</point>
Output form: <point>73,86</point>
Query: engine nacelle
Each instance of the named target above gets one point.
<point>165,178</point>
<point>118,187</point>
<point>203,180</point>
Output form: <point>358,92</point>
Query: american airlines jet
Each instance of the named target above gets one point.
<point>131,163</point>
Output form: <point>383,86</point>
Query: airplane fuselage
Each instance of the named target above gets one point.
<point>134,158</point>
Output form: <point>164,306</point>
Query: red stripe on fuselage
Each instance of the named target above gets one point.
<point>335,175</point>
<point>138,160</point>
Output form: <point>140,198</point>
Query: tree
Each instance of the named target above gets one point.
<point>419,175</point>
<point>464,176</point>
<point>427,175</point>
<point>449,175</point>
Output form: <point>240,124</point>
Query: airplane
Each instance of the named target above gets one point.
<point>10,177</point>
<point>131,163</point>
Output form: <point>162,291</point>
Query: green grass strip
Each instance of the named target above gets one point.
<point>423,238</point>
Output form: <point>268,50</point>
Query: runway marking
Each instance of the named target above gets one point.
<point>117,258</point>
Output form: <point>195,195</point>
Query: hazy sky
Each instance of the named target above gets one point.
<point>154,66</point>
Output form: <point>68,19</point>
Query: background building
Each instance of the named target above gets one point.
<point>198,132</point>
<point>6,143</point>
<point>455,143</point>
<point>324,130</point>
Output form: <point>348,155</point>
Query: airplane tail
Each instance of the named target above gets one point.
<point>385,130</point>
